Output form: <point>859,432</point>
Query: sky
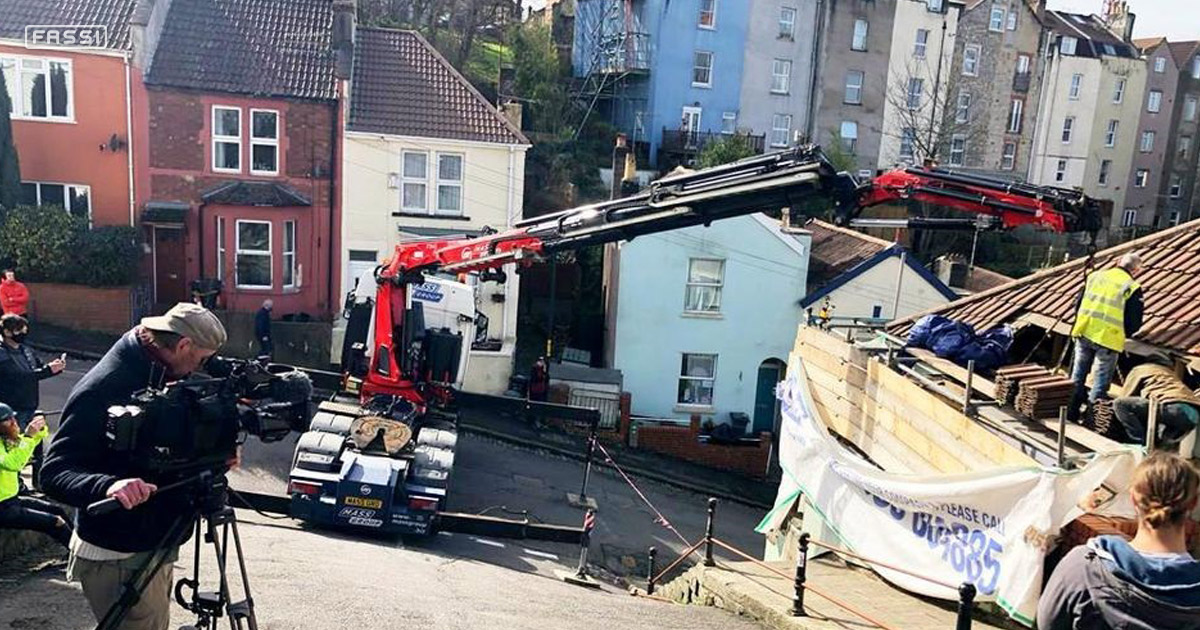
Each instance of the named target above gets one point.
<point>1176,19</point>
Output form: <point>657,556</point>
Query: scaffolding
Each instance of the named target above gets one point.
<point>614,64</point>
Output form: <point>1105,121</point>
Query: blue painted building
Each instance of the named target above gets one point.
<point>666,72</point>
<point>701,320</point>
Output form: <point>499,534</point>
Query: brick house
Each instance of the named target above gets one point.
<point>240,186</point>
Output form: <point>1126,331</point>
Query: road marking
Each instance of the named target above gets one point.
<point>541,554</point>
<point>490,543</point>
<point>446,534</point>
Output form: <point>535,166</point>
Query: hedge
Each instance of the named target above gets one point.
<point>48,244</point>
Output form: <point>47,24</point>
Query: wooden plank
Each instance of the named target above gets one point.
<point>949,368</point>
<point>817,338</point>
<point>814,357</point>
<point>882,447</point>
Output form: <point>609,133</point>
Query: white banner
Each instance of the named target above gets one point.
<point>989,528</point>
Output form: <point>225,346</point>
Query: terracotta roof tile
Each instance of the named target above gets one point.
<point>403,86</point>
<point>15,15</point>
<point>836,250</point>
<point>1182,51</point>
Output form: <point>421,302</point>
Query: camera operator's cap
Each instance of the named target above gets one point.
<point>6,412</point>
<point>192,321</point>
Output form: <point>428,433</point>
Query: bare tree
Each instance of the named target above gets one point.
<point>934,119</point>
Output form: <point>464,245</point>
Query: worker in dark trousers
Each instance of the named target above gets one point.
<point>22,512</point>
<point>20,373</point>
<point>1109,311</point>
<point>262,330</point>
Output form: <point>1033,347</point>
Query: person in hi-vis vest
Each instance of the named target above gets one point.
<point>1109,311</point>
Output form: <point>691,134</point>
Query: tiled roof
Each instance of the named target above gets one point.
<point>1170,266</point>
<point>1182,51</point>
<point>243,193</point>
<point>257,47</point>
<point>15,15</point>
<point>1146,44</point>
<point>403,86</point>
<point>1093,35</point>
<point>836,250</point>
<point>980,279</point>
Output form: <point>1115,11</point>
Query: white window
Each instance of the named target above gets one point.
<point>854,85</point>
<point>702,63</point>
<point>264,142</point>
<point>1189,108</point>
<point>1119,91</point>
<point>253,270</point>
<point>934,5</point>
<point>1141,178</point>
<point>781,76</point>
<point>706,276</point>
<point>74,198</point>
<point>962,113</point>
<point>1060,172</point>
<point>996,23</point>
<point>220,248</point>
<point>449,184</point>
<point>1183,147</point>
<point>1012,20</point>
<point>1022,64</point>
<point>1196,67</point>
<point>697,378</point>
<point>908,139</point>
<point>1105,168</point>
<point>1129,219</point>
<point>958,149</point>
<point>1147,142</point>
<point>708,14</point>
<point>1110,135</point>
<point>916,89</point>
<point>1160,64</point>
<point>849,133</point>
<point>971,60</point>
<point>787,23</point>
<point>1008,157</point>
<point>1174,218</point>
<point>1076,84</point>
<point>729,123</point>
<point>1068,128</point>
<point>1154,102</point>
<point>1067,45</point>
<point>781,130</point>
<point>290,279</point>
<point>39,88</point>
<point>860,35</point>
<point>227,139</point>
<point>922,43</point>
<point>1176,187</point>
<point>414,189</point>
<point>1016,115</point>
<point>1109,50</point>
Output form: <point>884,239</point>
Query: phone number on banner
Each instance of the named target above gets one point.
<point>973,553</point>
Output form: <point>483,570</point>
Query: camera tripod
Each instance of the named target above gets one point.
<point>211,517</point>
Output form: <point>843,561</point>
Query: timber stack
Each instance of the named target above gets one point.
<point>1009,378</point>
<point>1042,397</point>
<point>1103,417</point>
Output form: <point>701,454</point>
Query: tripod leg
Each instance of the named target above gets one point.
<point>241,560</point>
<point>132,590</point>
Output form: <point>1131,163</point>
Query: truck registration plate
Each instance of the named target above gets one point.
<point>373,504</point>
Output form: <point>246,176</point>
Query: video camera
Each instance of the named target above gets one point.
<point>197,423</point>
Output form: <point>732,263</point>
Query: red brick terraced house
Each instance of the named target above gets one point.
<point>242,113</point>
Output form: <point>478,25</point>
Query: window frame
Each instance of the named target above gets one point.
<point>288,258</point>
<point>919,96</point>
<point>406,179</point>
<point>711,379</point>
<point>1160,65</point>
<point>958,144</point>
<point>1146,142</point>
<point>921,46</point>
<point>908,136</point>
<point>971,54</point>
<point>1016,115</point>
<point>1129,217</point>
<point>1068,129</point>
<point>776,76</point>
<point>934,6</point>
<point>216,138</point>
<point>790,33</point>
<point>775,128</point>
<point>1076,87</point>
<point>1183,147</point>
<point>1105,173</point>
<point>1141,177</point>
<point>689,284</point>
<point>1023,61</point>
<point>727,117</point>
<point>854,36</point>
<point>239,252</point>
<point>1060,171</point>
<point>439,183</point>
<point>1111,132</point>
<point>1175,186</point>
<point>862,79</point>
<point>696,56</point>
<point>994,25</point>
<point>68,189</point>
<point>1154,101</point>
<point>853,146</point>
<point>265,142</point>
<point>1011,20</point>
<point>16,91</point>
<point>222,247</point>
<point>1191,105</point>
<point>1008,160</point>
<point>1119,91</point>
<point>1196,67</point>
<point>962,106</point>
<point>1062,45</point>
<point>711,11</point>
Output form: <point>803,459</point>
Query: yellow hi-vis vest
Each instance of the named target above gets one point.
<point>1101,316</point>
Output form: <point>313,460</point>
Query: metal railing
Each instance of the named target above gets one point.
<point>607,403</point>
<point>687,141</point>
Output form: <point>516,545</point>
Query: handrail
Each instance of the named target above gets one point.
<point>689,551</point>
<point>846,552</point>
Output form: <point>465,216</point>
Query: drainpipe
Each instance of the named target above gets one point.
<point>129,136</point>
<point>334,301</point>
<point>813,67</point>
<point>512,219</point>
<point>937,86</point>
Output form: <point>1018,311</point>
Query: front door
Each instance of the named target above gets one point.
<point>170,285</point>
<point>765,404</point>
<point>691,124</point>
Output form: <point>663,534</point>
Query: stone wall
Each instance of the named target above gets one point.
<point>305,344</point>
<point>750,459</point>
<point>81,307</point>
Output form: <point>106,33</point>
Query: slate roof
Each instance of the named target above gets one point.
<point>1170,266</point>
<point>1182,51</point>
<point>277,48</point>
<point>1092,33</point>
<point>15,15</point>
<point>244,193</point>
<point>836,250</point>
<point>403,86</point>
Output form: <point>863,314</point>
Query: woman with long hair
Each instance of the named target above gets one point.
<point>22,512</point>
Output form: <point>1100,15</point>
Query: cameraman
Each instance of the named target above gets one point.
<point>79,470</point>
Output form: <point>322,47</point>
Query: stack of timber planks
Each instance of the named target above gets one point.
<point>1008,378</point>
<point>1103,418</point>
<point>1042,396</point>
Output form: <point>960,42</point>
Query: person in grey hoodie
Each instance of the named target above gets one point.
<point>1148,583</point>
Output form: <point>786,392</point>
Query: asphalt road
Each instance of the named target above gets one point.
<point>309,578</point>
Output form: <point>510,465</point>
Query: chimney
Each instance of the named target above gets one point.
<point>343,36</point>
<point>512,110</point>
<point>1119,19</point>
<point>145,28</point>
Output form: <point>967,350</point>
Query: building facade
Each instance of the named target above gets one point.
<point>1147,173</point>
<point>778,75</point>
<point>696,329</point>
<point>415,168</point>
<point>854,48</point>
<point>1090,109</point>
<point>997,80</point>
<point>1179,190</point>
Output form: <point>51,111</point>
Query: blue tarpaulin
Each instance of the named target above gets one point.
<point>958,341</point>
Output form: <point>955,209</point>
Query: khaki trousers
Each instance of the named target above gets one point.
<point>102,582</point>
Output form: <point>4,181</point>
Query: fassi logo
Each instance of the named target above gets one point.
<point>66,36</point>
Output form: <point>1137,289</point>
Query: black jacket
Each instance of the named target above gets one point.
<point>20,372</point>
<point>262,324</point>
<point>79,466</point>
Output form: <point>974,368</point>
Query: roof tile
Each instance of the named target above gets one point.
<point>15,15</point>
<point>836,250</point>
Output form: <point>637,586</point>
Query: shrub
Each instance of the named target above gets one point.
<point>106,256</point>
<point>46,244</point>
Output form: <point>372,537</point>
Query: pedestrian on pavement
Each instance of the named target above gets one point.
<point>14,297</point>
<point>80,469</point>
<point>1147,583</point>
<point>539,380</point>
<point>23,512</point>
<point>262,330</point>
<point>21,371</point>
<point>1109,311</point>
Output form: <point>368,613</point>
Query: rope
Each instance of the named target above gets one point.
<point>661,520</point>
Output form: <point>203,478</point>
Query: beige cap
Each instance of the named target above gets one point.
<point>192,321</point>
